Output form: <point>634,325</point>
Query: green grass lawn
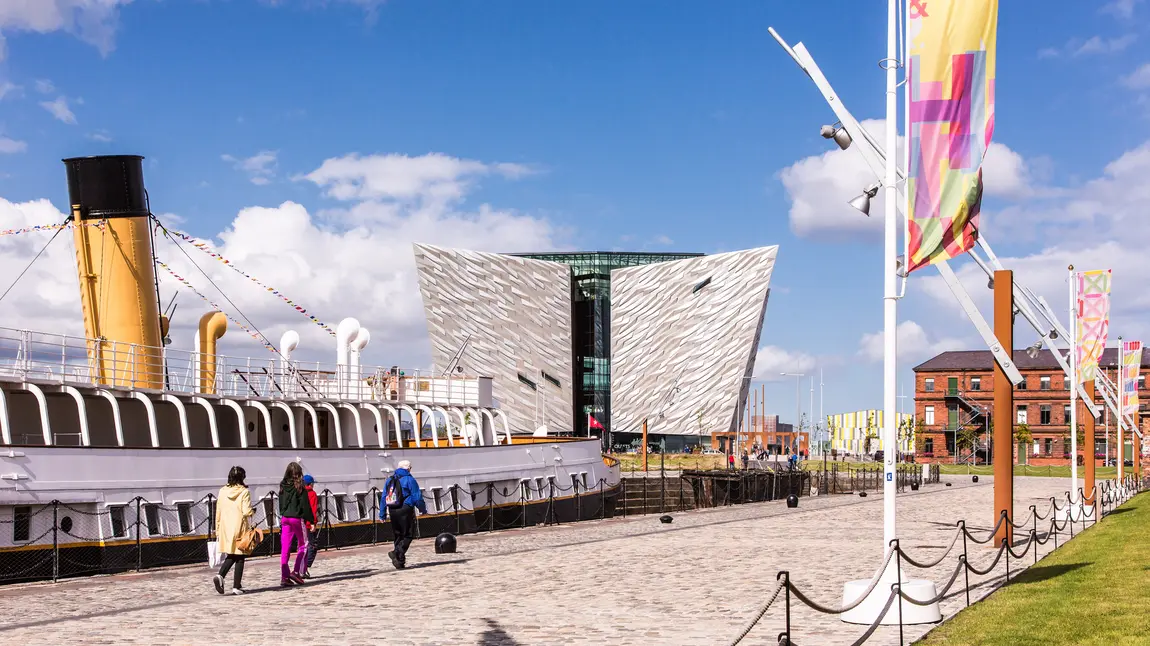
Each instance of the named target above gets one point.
<point>1093,590</point>
<point>1061,471</point>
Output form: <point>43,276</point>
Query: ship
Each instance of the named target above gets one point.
<point>114,444</point>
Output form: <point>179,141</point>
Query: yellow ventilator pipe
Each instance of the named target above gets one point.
<point>213,325</point>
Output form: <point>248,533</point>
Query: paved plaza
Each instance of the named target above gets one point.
<point>619,581</point>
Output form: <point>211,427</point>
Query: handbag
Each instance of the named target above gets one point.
<point>214,556</point>
<point>249,539</point>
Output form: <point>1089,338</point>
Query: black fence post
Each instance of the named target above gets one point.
<point>211,518</point>
<point>787,584</point>
<point>139,554</point>
<point>326,520</point>
<point>374,516</point>
<point>965,560</point>
<point>455,505</point>
<point>623,495</point>
<point>898,586</point>
<point>602,499</point>
<point>56,540</point>
<point>490,507</point>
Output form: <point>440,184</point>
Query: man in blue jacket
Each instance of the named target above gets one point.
<point>401,497</point>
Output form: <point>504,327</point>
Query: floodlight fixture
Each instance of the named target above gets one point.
<point>1033,350</point>
<point>838,133</point>
<point>862,202</point>
<point>900,266</point>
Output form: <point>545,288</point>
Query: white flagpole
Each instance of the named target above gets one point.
<point>1074,323</point>
<point>1121,412</point>
<point>890,286</point>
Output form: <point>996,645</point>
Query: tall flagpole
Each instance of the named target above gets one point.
<point>1121,412</point>
<point>890,288</point>
<point>1073,380</point>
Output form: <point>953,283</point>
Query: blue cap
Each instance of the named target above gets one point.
<point>307,479</point>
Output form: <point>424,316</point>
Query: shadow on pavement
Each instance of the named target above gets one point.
<point>1036,573</point>
<point>495,635</point>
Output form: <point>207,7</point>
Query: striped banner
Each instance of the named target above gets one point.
<point>950,113</point>
<point>1093,324</point>
<point>1131,363</point>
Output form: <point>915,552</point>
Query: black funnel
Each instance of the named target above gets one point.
<point>107,186</point>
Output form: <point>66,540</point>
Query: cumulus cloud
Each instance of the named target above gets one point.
<point>914,344</point>
<point>820,186</point>
<point>93,21</point>
<point>353,262</point>
<point>101,136</point>
<point>8,88</point>
<point>1139,79</point>
<point>44,86</point>
<point>770,360</point>
<point>59,109</point>
<point>260,167</point>
<point>434,177</point>
<point>1121,9</point>
<point>9,146</point>
<point>1094,45</point>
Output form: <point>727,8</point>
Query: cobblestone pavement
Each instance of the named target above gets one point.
<point>618,581</point>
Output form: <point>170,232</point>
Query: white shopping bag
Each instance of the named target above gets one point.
<point>214,556</point>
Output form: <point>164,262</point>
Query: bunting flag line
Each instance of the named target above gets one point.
<point>204,247</point>
<point>1093,324</point>
<point>1131,363</point>
<point>950,96</point>
<point>51,227</point>
<point>184,281</point>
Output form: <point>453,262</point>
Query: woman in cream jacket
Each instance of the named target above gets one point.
<point>233,509</point>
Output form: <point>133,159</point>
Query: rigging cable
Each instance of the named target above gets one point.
<point>34,259</point>
<point>213,283</point>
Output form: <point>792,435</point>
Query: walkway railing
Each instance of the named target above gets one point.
<point>1106,497</point>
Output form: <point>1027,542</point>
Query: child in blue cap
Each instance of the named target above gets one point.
<point>312,529</point>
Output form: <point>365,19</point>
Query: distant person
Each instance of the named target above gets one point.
<point>233,509</point>
<point>401,497</point>
<point>731,461</point>
<point>295,511</point>
<point>746,460</point>
<point>312,528</point>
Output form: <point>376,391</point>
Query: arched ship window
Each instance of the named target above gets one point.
<point>361,505</point>
<point>340,508</point>
<point>21,524</point>
<point>184,511</point>
<point>152,518</point>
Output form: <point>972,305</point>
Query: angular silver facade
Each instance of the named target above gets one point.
<point>517,312</point>
<point>682,352</point>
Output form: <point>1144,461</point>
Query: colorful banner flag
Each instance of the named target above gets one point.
<point>1093,324</point>
<point>1131,363</point>
<point>950,114</point>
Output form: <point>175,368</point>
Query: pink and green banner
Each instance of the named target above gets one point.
<point>1131,363</point>
<point>951,46</point>
<point>1093,324</point>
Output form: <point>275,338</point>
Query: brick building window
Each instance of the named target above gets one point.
<point>1044,414</point>
<point>1066,413</point>
<point>1141,382</point>
<point>1049,445</point>
<point>1020,414</point>
<point>1044,382</point>
<point>1022,384</point>
<point>976,383</point>
<point>928,446</point>
<point>928,385</point>
<point>928,414</point>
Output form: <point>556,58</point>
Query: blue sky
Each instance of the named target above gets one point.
<point>605,125</point>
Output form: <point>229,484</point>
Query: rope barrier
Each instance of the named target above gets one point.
<point>759,615</point>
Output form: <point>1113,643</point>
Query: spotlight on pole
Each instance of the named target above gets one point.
<point>862,202</point>
<point>838,133</point>
<point>1033,350</point>
<point>900,266</point>
<point>990,283</point>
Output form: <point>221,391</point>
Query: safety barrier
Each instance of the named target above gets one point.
<point>1104,499</point>
<point>71,541</point>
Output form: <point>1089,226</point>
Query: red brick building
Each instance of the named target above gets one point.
<point>764,433</point>
<point>954,392</point>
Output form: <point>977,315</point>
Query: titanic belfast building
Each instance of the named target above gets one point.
<point>571,340</point>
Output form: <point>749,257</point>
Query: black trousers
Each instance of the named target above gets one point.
<point>403,526</point>
<point>238,561</point>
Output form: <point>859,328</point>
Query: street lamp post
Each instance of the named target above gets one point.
<point>798,401</point>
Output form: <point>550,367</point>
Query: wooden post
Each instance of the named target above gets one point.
<point>644,445</point>
<point>1088,448</point>
<point>1003,416</point>
<point>1137,447</point>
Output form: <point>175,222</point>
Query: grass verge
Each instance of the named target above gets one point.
<point>1093,590</point>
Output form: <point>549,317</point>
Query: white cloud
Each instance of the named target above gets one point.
<point>1139,79</point>
<point>913,344</point>
<point>101,136</point>
<point>355,262</point>
<point>59,109</point>
<point>1122,9</point>
<point>820,186</point>
<point>434,178</point>
<point>664,240</point>
<point>1094,45</point>
<point>260,167</point>
<point>44,86</point>
<point>93,21</point>
<point>7,87</point>
<point>9,146</point>
<point>770,360</point>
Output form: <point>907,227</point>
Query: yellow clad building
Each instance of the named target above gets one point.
<point>849,432</point>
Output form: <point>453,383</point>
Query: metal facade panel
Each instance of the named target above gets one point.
<point>518,314</point>
<point>685,353</point>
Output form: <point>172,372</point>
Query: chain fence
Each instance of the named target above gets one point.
<point>1098,504</point>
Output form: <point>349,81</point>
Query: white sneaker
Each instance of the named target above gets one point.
<point>218,581</point>
<point>237,590</point>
